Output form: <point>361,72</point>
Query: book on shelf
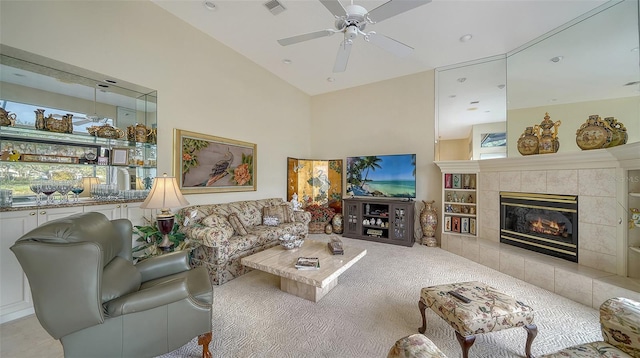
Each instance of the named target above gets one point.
<point>307,263</point>
<point>335,246</point>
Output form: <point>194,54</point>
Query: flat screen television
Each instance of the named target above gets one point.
<point>385,176</point>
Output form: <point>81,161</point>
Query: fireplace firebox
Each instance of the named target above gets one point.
<point>545,223</point>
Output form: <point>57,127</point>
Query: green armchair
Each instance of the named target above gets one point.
<point>88,294</point>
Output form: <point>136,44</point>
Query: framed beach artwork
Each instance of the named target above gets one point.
<point>205,163</point>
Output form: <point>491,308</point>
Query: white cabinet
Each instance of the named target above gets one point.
<point>15,296</point>
<point>633,233</point>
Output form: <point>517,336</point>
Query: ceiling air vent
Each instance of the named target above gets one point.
<point>274,7</point>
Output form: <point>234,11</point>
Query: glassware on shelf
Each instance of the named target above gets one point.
<point>48,188</point>
<point>36,188</point>
<point>77,187</point>
<point>64,187</point>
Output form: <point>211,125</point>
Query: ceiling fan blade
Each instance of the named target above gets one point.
<point>305,37</point>
<point>386,43</point>
<point>393,8</point>
<point>335,7</point>
<point>343,56</point>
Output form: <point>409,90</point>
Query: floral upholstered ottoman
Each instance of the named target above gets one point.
<point>481,309</point>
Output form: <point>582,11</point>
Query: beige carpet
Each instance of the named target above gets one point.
<point>374,304</point>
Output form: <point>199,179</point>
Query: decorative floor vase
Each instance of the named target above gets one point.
<point>336,223</point>
<point>429,223</point>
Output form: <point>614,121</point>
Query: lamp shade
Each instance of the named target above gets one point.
<point>164,194</point>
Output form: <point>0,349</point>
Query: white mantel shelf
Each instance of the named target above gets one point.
<point>623,156</point>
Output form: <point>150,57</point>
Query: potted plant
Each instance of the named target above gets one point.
<point>320,217</point>
<point>149,237</point>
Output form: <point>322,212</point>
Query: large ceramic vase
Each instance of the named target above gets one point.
<point>429,223</point>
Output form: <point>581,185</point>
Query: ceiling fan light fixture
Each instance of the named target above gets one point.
<point>465,38</point>
<point>209,5</point>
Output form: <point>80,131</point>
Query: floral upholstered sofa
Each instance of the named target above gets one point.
<point>227,232</point>
<point>620,323</point>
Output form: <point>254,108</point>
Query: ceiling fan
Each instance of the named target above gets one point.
<point>352,20</point>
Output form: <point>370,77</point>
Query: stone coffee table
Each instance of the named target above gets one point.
<point>308,284</point>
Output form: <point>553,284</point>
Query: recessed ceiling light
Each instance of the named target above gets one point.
<point>472,109</point>
<point>330,79</point>
<point>286,61</point>
<point>465,38</point>
<point>635,49</point>
<point>462,79</point>
<point>501,86</point>
<point>452,96</point>
<point>210,5</point>
<point>557,59</point>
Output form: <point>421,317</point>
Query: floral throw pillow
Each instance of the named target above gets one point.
<point>237,225</point>
<point>282,212</point>
<point>270,221</point>
<point>223,229</point>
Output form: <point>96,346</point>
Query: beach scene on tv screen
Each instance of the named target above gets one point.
<point>392,176</point>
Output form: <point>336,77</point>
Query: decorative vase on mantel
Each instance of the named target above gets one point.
<point>429,223</point>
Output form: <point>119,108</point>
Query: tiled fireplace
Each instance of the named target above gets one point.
<point>544,223</point>
<point>597,179</point>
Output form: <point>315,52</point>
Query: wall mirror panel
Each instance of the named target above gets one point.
<point>587,67</point>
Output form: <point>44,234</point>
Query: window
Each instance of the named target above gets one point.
<point>490,140</point>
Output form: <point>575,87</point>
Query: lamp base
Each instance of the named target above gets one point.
<point>165,225</point>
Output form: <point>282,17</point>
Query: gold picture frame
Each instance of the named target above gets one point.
<point>208,164</point>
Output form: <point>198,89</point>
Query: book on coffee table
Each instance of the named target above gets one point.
<point>307,263</point>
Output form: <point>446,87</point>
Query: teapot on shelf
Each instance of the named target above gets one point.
<point>106,131</point>
<point>7,118</point>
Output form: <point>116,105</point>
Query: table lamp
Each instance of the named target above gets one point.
<point>164,195</point>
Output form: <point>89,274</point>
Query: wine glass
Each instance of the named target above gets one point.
<point>76,188</point>
<point>64,187</point>
<point>48,189</point>
<point>36,187</point>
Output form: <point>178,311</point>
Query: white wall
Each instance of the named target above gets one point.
<point>202,85</point>
<point>389,117</point>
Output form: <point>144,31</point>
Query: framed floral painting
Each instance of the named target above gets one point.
<point>205,163</point>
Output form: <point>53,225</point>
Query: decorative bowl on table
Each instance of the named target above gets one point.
<point>289,241</point>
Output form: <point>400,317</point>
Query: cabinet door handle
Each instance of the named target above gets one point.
<point>32,213</point>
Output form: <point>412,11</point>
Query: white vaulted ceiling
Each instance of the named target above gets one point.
<point>433,30</point>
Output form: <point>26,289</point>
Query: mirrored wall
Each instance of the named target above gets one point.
<point>589,66</point>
